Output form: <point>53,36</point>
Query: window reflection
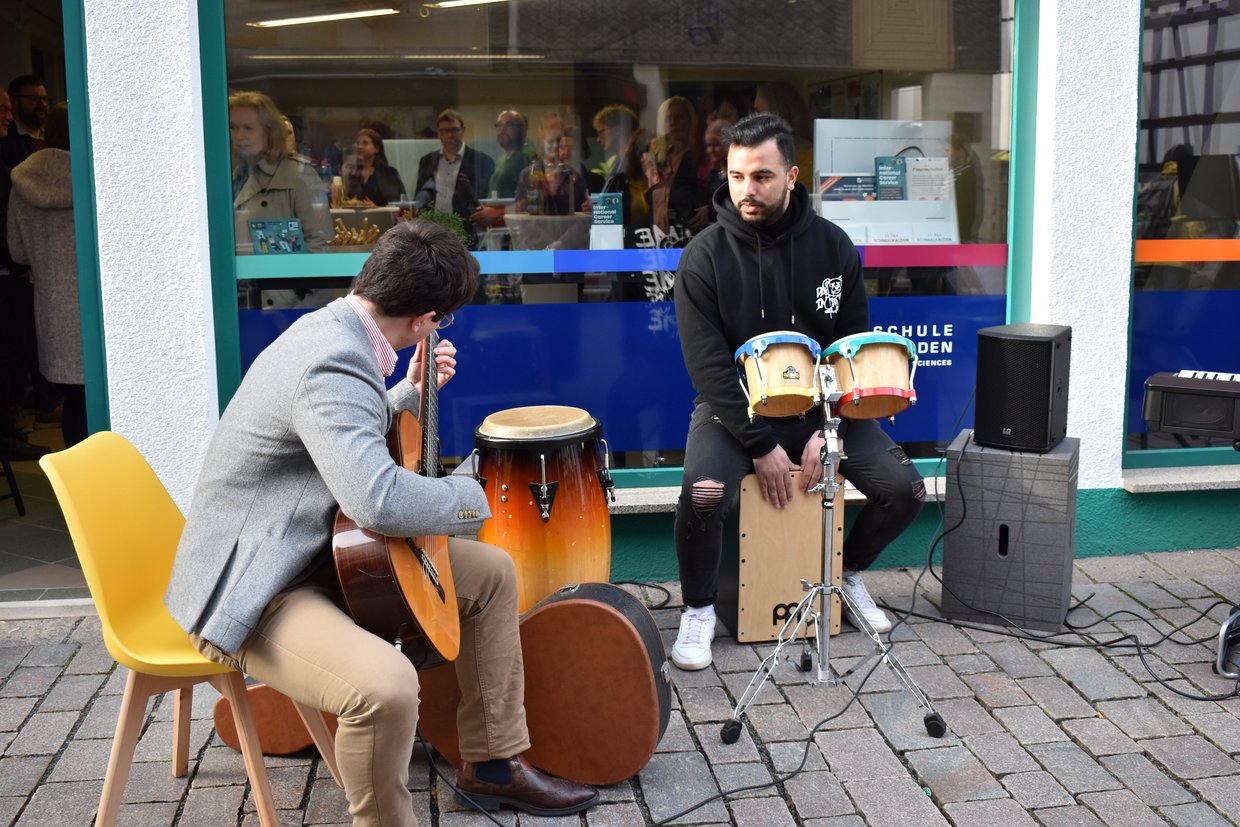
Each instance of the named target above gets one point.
<point>451,114</point>
<point>1186,277</point>
<point>575,147</point>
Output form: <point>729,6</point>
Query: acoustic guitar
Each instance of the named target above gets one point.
<point>400,588</point>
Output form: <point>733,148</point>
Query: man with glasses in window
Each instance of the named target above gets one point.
<point>511,128</point>
<point>254,579</point>
<point>30,107</point>
<point>452,179</point>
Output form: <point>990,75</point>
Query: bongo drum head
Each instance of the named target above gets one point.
<point>755,346</point>
<point>850,346</point>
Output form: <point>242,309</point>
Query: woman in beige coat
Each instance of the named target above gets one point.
<point>40,233</point>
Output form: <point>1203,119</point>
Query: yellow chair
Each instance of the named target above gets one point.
<point>125,528</point>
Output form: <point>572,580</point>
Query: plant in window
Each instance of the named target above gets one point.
<point>450,220</point>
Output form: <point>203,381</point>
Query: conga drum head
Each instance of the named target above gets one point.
<point>536,424</point>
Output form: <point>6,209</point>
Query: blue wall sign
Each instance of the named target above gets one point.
<point>621,361</point>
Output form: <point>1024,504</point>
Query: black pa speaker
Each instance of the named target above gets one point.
<point>1022,386</point>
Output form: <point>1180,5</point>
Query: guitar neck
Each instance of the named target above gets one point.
<point>430,409</point>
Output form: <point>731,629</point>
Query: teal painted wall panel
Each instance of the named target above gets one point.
<point>642,549</point>
<point>1113,521</point>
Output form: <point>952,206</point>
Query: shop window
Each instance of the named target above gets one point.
<point>1187,275</point>
<point>588,139</point>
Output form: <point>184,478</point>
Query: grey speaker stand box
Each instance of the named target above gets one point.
<point>1012,554</point>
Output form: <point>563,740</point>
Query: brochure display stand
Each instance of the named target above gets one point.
<point>887,182</point>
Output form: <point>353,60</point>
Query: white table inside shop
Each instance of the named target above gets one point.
<point>541,232</point>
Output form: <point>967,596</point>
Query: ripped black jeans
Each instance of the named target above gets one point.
<point>876,466</point>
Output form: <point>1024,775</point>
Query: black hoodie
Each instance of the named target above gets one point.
<point>737,281</point>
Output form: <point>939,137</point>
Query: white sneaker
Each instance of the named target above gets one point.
<point>697,630</point>
<point>853,587</point>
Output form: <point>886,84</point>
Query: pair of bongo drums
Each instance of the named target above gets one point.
<point>779,372</point>
<point>546,471</point>
<point>874,371</point>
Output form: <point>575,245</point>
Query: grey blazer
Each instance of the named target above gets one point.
<point>306,430</point>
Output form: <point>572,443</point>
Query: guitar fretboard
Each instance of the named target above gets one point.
<point>430,408</point>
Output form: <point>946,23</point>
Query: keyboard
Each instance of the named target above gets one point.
<point>1211,375</point>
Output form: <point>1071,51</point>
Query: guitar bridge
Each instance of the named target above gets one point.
<point>427,566</point>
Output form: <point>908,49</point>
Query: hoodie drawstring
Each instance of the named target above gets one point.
<point>792,282</point>
<point>761,292</point>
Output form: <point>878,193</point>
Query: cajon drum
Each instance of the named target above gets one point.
<point>767,552</point>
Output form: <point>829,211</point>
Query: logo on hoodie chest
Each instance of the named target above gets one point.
<point>828,294</point>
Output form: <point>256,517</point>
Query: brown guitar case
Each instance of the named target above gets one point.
<point>597,696</point>
<point>280,728</point>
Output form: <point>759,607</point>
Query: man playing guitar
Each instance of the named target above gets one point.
<point>254,583</point>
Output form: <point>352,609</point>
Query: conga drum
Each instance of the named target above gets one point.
<point>546,473</point>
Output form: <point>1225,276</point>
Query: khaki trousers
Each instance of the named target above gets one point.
<point>308,648</point>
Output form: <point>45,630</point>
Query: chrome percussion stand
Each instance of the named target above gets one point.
<point>805,616</point>
<point>1227,661</point>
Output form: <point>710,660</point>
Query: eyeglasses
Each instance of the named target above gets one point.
<point>442,321</point>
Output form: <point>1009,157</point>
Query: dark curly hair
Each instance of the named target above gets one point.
<point>418,266</point>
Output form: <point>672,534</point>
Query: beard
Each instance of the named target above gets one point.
<point>770,212</point>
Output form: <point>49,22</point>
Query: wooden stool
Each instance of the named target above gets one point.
<point>766,554</point>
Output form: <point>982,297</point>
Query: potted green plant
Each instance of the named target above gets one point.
<point>450,220</point>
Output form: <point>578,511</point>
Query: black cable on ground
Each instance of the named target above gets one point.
<point>1089,640</point>
<point>667,595</point>
<point>809,739</point>
<point>430,758</point>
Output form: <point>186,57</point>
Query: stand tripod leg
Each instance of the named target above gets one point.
<point>1227,661</point>
<point>789,632</point>
<point>822,592</point>
<point>935,725</point>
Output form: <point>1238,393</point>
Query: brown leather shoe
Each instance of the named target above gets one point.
<point>530,790</point>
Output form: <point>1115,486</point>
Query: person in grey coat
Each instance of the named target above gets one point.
<point>41,234</point>
<point>254,583</point>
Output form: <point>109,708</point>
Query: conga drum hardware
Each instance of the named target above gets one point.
<point>544,493</point>
<point>604,473</point>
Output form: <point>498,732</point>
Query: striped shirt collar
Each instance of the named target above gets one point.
<point>384,354</point>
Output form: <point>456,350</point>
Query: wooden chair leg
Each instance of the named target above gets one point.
<point>14,492</point>
<point>128,728</point>
<point>232,686</point>
<point>322,737</point>
<point>180,731</point>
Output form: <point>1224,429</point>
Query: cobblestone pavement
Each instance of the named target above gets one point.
<point>1039,732</point>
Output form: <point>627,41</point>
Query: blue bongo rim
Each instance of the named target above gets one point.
<point>757,344</point>
<point>849,345</point>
